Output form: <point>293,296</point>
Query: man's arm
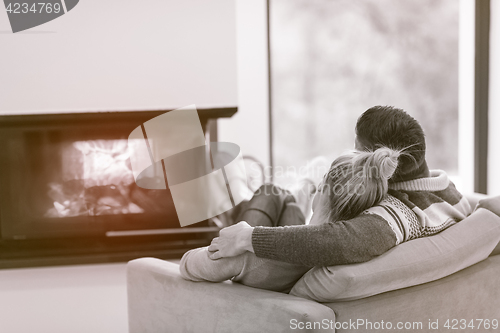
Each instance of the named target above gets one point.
<point>334,243</point>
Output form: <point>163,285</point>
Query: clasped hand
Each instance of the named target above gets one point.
<point>232,241</point>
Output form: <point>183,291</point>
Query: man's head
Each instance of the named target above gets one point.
<point>387,126</point>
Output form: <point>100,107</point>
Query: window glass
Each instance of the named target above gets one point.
<point>333,59</point>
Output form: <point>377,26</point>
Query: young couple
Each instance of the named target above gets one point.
<point>371,199</point>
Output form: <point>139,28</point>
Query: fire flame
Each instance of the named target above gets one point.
<point>97,177</point>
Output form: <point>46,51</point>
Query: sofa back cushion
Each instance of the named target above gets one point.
<point>415,262</point>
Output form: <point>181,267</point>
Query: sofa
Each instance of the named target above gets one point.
<point>461,295</point>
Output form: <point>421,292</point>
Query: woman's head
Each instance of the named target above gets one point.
<point>357,181</point>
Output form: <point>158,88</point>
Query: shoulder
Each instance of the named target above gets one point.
<point>398,216</point>
<point>435,191</point>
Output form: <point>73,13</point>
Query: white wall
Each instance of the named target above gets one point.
<point>73,299</point>
<point>122,55</point>
<point>249,128</point>
<point>494,103</point>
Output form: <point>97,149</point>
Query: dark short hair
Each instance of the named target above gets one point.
<point>394,128</point>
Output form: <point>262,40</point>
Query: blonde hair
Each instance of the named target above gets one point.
<point>358,180</point>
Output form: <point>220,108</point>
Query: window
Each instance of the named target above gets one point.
<point>333,59</point>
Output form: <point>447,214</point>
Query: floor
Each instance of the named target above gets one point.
<point>66,299</point>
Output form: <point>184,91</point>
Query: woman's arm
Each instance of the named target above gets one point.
<point>247,269</point>
<point>196,265</point>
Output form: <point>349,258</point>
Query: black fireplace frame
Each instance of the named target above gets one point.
<point>102,246</point>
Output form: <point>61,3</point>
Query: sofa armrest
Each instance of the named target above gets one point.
<point>159,300</point>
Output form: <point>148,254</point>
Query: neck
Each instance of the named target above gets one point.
<point>422,172</point>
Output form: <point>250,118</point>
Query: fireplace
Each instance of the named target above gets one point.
<point>68,194</point>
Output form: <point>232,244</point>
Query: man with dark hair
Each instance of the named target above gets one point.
<point>420,202</point>
<point>394,128</point>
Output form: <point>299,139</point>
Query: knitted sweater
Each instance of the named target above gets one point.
<point>412,209</point>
